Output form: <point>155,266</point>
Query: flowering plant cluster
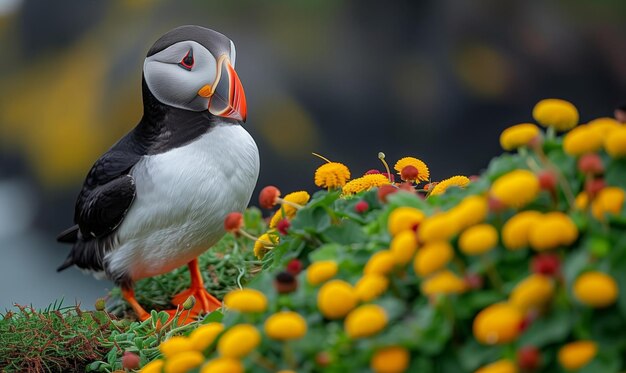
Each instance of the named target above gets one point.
<point>522,269</point>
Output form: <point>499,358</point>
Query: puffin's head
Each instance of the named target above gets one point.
<point>192,68</point>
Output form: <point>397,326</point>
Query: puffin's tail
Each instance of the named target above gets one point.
<point>69,261</point>
<point>70,235</point>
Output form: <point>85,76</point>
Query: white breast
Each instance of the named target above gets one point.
<point>183,196</point>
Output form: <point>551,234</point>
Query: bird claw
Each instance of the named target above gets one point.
<point>205,302</point>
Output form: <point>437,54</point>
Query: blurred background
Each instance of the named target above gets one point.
<point>437,80</point>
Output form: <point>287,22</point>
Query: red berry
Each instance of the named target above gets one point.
<point>282,226</point>
<point>594,186</point>
<point>527,320</point>
<point>409,173</point>
<point>285,282</point>
<point>268,196</point>
<point>591,164</point>
<point>130,360</point>
<point>473,280</point>
<point>495,205</point>
<point>528,358</point>
<point>474,178</point>
<point>294,267</point>
<point>384,191</point>
<point>546,264</point>
<point>547,180</point>
<point>361,206</point>
<point>322,359</point>
<point>233,222</point>
<point>372,172</point>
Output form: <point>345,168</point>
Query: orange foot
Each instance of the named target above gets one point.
<point>205,302</point>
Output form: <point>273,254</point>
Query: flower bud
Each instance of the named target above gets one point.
<point>100,304</point>
<point>189,303</point>
<point>233,222</point>
<point>268,197</point>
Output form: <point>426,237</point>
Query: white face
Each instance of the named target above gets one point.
<point>175,82</point>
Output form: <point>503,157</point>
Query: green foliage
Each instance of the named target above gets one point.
<point>52,340</point>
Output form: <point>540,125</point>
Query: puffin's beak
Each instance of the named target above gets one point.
<point>226,95</point>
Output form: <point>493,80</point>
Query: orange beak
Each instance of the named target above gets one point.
<point>227,98</point>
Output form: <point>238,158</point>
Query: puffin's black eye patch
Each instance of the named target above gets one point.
<point>187,61</point>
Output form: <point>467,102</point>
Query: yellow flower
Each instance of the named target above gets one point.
<point>278,216</point>
<point>518,135</point>
<point>422,170</point>
<point>365,182</point>
<point>615,144</point>
<point>443,282</point>
<point>472,210</point>
<point>582,140</point>
<point>370,287</point>
<point>332,175</point>
<point>238,341</point>
<point>404,218</point>
<point>393,359</point>
<point>582,201</point>
<point>205,335</point>
<point>335,299</point>
<point>382,262</point>
<point>285,326</point>
<point>608,201</point>
<point>558,114</point>
<point>365,321</point>
<point>299,198</point>
<point>454,181</point>
<point>576,355</point>
<point>439,227</point>
<point>596,289</point>
<point>175,345</point>
<point>516,189</point>
<point>604,126</point>
<point>432,257</point>
<point>223,365</point>
<point>517,229</point>
<point>497,324</point>
<point>183,362</point>
<point>288,208</point>
<point>500,366</point>
<point>532,292</point>
<point>552,230</point>
<point>321,271</point>
<point>403,246</point>
<point>265,243</point>
<point>155,366</point>
<point>246,300</point>
<point>478,239</point>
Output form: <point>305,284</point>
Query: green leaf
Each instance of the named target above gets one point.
<point>548,329</point>
<point>215,316</point>
<point>616,173</point>
<point>326,252</point>
<point>473,355</point>
<point>311,220</point>
<point>345,233</point>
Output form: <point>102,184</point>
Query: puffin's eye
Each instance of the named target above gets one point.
<point>187,61</point>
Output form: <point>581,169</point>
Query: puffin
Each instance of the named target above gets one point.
<point>158,197</point>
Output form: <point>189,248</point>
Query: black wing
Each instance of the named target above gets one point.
<point>106,196</point>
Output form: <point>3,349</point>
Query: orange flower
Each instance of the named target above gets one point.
<point>422,170</point>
